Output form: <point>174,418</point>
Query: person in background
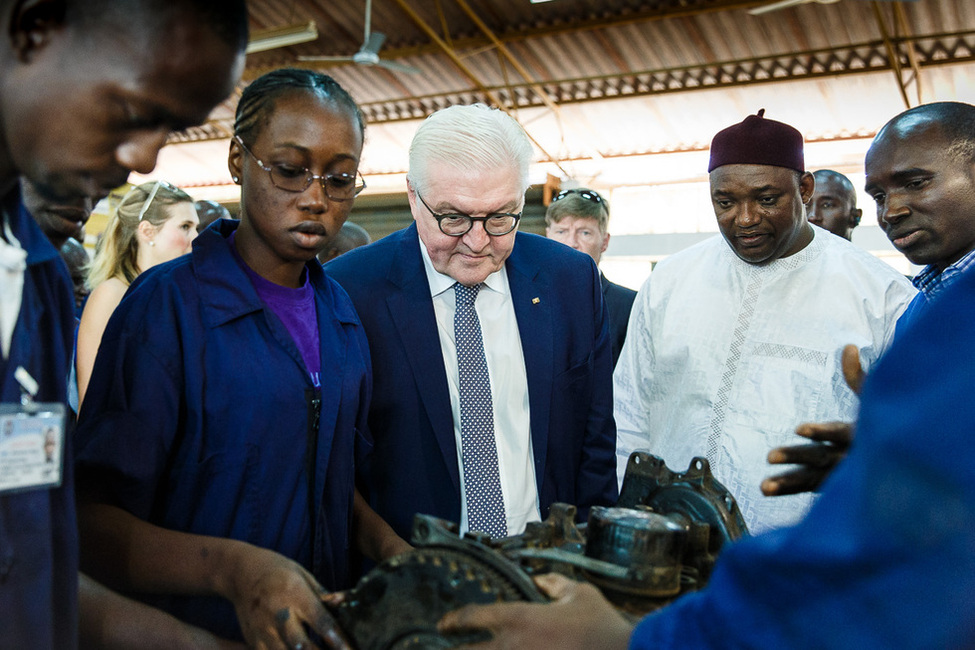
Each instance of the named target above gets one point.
<point>736,341</point>
<point>580,218</point>
<point>91,90</point>
<point>216,443</point>
<point>833,205</point>
<point>155,222</point>
<point>352,235</point>
<point>76,259</point>
<point>493,394</point>
<point>208,212</point>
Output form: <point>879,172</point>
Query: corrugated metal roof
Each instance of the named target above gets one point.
<point>627,77</point>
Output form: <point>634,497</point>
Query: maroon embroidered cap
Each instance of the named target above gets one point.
<point>758,141</point>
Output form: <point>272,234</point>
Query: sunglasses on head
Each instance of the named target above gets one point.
<point>589,195</point>
<point>152,195</point>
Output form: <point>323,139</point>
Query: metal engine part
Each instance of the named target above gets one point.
<point>397,605</point>
<point>660,540</point>
<point>695,497</point>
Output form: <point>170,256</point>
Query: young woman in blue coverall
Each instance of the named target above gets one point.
<point>216,444</point>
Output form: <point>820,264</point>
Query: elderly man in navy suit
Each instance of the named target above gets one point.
<point>493,376</point>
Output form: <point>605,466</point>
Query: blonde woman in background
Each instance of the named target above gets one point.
<point>155,222</point>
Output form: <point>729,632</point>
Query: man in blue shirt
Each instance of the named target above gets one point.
<point>920,173</point>
<point>91,89</point>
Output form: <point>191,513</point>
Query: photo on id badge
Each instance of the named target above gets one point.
<point>31,446</point>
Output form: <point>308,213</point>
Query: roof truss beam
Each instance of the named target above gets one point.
<point>874,56</point>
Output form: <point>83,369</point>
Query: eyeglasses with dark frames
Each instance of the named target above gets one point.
<point>337,187</point>
<point>589,195</point>
<point>495,224</point>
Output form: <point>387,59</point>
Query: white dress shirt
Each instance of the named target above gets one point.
<point>509,389</point>
<point>13,263</point>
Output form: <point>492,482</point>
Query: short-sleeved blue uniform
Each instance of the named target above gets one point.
<point>886,556</point>
<point>201,417</point>
<point>38,532</point>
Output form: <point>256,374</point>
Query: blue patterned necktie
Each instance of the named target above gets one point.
<point>479,451</point>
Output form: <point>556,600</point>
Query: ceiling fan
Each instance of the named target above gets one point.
<point>783,4</point>
<point>368,54</point>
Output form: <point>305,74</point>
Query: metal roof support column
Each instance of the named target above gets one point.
<point>893,55</point>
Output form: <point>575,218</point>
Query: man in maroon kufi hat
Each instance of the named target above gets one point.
<point>737,340</point>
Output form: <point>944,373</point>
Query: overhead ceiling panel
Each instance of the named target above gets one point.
<point>626,77</point>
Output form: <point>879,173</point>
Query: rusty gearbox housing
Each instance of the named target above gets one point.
<point>659,541</point>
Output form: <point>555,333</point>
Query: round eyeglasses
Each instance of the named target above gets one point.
<point>495,224</point>
<point>337,187</point>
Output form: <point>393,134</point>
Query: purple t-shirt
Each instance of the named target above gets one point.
<point>295,308</point>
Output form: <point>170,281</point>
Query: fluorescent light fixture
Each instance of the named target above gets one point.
<point>269,39</point>
<point>538,2</point>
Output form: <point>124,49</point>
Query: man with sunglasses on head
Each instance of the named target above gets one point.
<point>490,348</point>
<point>580,218</point>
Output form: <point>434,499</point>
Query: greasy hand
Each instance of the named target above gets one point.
<point>579,618</point>
<point>815,461</point>
<point>277,600</point>
<point>832,442</point>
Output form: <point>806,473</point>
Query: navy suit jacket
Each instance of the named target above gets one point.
<point>564,331</point>
<point>619,302</point>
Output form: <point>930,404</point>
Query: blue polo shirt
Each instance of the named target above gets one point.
<point>201,417</point>
<point>931,283</point>
<point>38,533</point>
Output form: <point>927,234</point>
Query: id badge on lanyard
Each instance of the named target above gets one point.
<point>32,437</point>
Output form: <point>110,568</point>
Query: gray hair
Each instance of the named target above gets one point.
<point>472,138</point>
